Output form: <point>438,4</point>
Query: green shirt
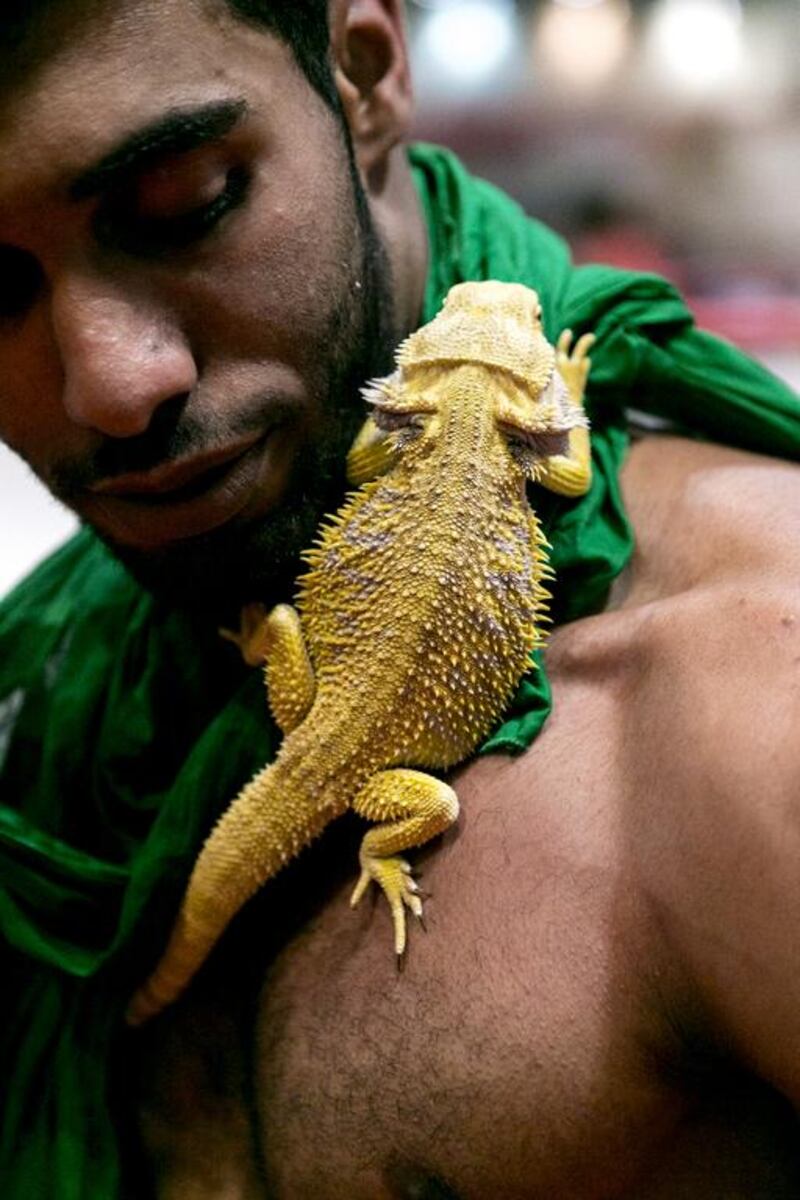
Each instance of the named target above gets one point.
<point>125,728</point>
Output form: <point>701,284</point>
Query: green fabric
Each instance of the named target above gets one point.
<point>125,728</point>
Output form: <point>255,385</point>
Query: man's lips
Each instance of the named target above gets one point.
<point>172,477</point>
<point>150,510</point>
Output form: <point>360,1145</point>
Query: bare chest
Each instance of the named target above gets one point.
<point>524,1052</point>
<point>528,1049</point>
<point>541,1041</point>
<point>508,1057</point>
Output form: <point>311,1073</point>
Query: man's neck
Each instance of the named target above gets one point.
<point>398,214</point>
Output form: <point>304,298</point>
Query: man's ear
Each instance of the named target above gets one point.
<point>372,77</point>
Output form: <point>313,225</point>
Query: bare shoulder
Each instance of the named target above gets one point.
<point>711,611</point>
<point>703,512</point>
<point>709,716</point>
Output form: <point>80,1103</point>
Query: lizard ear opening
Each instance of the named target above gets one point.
<point>540,444</point>
<point>390,419</point>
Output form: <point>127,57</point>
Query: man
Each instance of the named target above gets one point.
<point>210,235</point>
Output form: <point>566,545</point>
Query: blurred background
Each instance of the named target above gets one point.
<point>653,134</point>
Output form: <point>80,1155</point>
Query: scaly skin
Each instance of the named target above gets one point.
<point>416,620</point>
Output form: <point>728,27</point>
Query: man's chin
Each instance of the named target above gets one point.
<point>249,557</point>
<point>216,573</point>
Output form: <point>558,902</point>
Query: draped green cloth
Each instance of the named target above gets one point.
<point>126,728</point>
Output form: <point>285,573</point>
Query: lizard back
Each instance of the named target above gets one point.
<point>425,597</point>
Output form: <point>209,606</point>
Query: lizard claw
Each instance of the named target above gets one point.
<point>393,876</point>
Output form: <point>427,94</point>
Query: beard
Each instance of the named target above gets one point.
<point>259,559</point>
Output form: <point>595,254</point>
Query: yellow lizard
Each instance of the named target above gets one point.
<point>417,618</point>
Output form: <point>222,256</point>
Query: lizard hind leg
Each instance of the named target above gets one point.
<point>413,808</point>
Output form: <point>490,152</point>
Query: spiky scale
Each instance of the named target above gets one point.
<point>407,585</point>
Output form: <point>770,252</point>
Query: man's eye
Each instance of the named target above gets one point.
<point>20,280</point>
<point>160,216</point>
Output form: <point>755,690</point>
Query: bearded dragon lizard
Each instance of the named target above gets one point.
<point>424,600</point>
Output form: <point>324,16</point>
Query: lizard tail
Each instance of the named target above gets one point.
<point>262,829</point>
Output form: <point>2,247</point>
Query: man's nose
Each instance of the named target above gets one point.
<point>121,358</point>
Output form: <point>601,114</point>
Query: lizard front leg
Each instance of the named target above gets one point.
<point>413,808</point>
<point>571,474</point>
<point>276,639</point>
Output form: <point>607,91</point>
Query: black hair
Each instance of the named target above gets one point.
<point>301,24</point>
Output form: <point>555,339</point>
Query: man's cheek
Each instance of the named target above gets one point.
<point>290,255</point>
<point>274,300</point>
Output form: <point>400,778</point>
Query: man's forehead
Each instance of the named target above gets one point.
<point>119,68</point>
<point>74,31</point>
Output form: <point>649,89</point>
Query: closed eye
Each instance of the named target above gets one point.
<point>151,223</point>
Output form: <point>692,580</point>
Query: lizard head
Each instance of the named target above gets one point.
<point>497,328</point>
<point>486,324</point>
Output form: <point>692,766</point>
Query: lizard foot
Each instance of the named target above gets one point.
<point>251,637</point>
<point>573,362</point>
<point>393,876</point>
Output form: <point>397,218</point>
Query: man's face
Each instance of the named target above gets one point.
<point>190,291</point>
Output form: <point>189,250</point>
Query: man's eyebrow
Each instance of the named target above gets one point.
<point>177,132</point>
